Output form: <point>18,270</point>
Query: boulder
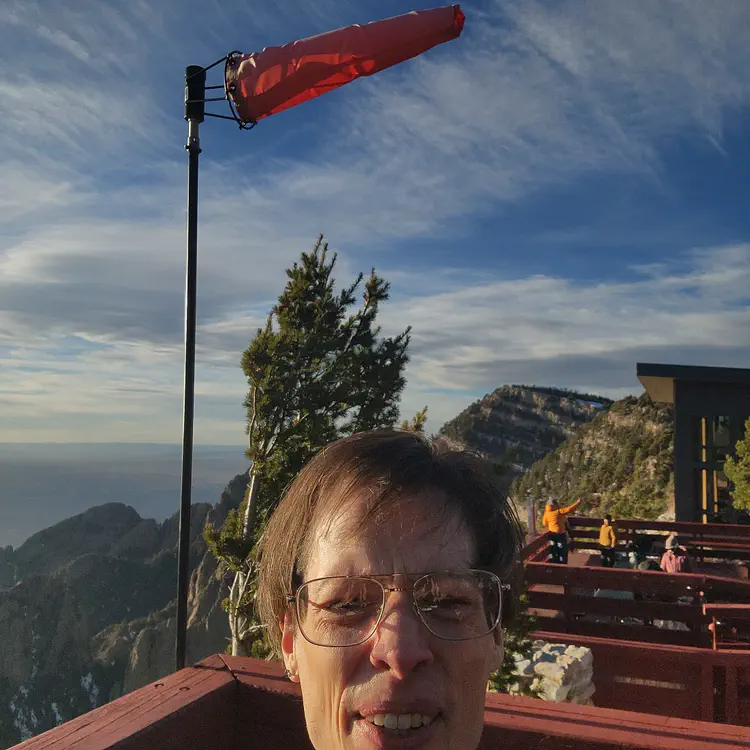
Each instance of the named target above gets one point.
<point>558,673</point>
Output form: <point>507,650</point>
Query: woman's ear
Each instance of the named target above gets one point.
<point>286,624</point>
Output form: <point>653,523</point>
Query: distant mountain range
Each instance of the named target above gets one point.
<point>43,484</point>
<point>87,611</point>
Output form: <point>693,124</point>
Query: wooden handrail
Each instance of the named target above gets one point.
<point>537,548</point>
<point>230,703</point>
<point>640,581</point>
<point>624,603</point>
<point>676,681</point>
<point>685,529</point>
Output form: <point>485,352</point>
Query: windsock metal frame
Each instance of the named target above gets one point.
<point>274,80</point>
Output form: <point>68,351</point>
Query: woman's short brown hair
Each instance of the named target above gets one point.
<point>389,465</point>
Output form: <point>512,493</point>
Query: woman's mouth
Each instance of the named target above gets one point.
<point>399,721</point>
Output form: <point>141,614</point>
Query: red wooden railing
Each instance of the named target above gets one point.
<point>670,680</point>
<point>638,666</point>
<point>713,540</point>
<point>537,549</point>
<point>622,603</point>
<point>231,703</point>
<point>730,625</point>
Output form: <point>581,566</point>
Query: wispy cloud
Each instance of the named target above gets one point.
<point>466,341</point>
<point>534,97</point>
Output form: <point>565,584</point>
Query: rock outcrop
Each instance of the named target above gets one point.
<point>517,425</point>
<point>559,673</point>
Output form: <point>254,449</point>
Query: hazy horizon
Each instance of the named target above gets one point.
<point>44,483</point>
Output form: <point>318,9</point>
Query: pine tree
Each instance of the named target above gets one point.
<point>316,372</point>
<point>417,422</point>
<point>737,470</point>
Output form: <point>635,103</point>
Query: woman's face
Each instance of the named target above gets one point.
<point>402,668</point>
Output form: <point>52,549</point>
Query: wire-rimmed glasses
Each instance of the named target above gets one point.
<point>454,605</point>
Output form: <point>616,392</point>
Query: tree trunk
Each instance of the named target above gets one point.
<point>240,647</point>
<point>237,620</point>
<point>251,508</point>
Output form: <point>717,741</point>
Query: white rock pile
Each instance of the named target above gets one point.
<point>562,673</point>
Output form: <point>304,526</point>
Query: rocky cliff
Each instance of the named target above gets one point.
<point>516,425</point>
<point>87,611</point>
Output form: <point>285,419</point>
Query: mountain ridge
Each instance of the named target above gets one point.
<point>516,425</point>
<point>54,660</point>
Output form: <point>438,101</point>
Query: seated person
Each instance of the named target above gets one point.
<point>638,549</point>
<point>675,559</point>
<point>381,585</point>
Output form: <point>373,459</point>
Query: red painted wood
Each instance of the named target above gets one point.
<point>684,529</point>
<point>538,545</point>
<point>560,725</point>
<point>247,703</point>
<point>601,605</point>
<point>622,667</point>
<point>645,635</point>
<point>707,692</point>
<point>192,705</point>
<point>642,581</point>
<point>731,697</point>
<point>718,608</point>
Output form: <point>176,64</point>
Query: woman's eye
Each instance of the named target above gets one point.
<point>445,603</point>
<point>349,606</point>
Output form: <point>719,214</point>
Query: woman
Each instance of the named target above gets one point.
<point>555,520</point>
<point>380,585</point>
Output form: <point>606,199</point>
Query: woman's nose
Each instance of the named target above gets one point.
<point>401,642</point>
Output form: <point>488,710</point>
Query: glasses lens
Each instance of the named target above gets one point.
<point>339,611</point>
<point>460,605</point>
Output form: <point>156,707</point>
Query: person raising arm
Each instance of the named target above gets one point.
<point>555,520</point>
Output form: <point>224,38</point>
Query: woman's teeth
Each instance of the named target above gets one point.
<point>399,721</point>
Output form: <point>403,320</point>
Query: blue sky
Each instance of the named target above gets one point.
<point>556,195</point>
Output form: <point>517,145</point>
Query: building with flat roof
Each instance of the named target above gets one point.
<point>711,405</point>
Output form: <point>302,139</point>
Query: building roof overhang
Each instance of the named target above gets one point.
<point>659,379</point>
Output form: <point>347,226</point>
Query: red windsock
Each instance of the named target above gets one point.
<point>264,83</point>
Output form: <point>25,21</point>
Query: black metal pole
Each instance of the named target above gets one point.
<point>195,94</point>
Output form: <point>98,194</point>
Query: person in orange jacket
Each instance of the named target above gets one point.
<point>607,541</point>
<point>555,520</point>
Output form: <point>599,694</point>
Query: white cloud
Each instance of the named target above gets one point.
<point>534,95</point>
<point>553,331</point>
<point>466,341</point>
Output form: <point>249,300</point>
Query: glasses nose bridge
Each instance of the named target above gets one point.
<point>388,590</point>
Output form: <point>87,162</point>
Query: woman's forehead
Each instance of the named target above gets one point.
<point>412,536</point>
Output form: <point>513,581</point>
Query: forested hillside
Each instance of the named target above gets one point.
<point>621,462</point>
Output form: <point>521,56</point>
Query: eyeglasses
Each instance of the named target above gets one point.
<point>346,610</point>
